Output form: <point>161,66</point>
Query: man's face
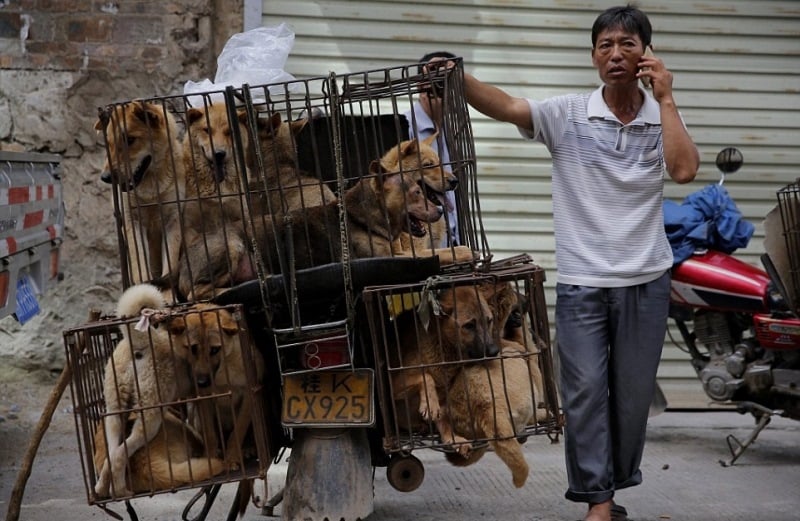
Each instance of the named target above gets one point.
<point>616,56</point>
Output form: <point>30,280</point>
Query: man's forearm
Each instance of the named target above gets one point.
<point>680,152</point>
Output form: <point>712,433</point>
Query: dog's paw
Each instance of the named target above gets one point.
<point>430,411</point>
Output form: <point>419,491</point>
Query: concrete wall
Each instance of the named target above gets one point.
<point>59,61</point>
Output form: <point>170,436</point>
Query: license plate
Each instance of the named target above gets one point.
<point>328,399</point>
<point>27,305</point>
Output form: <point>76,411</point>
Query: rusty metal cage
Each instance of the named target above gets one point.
<point>789,204</point>
<point>181,425</point>
<point>435,388</point>
<point>215,189</point>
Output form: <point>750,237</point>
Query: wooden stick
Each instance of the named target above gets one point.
<point>64,378</point>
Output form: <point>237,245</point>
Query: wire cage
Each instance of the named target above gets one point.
<point>215,189</point>
<point>178,409</point>
<point>464,360</point>
<point>789,204</point>
<point>290,200</point>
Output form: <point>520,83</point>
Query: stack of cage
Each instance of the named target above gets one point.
<point>302,208</point>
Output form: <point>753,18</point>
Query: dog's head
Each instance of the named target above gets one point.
<point>204,336</point>
<point>466,324</point>
<point>404,200</point>
<point>509,307</point>
<point>209,139</point>
<point>419,159</point>
<point>138,135</point>
<point>277,140</point>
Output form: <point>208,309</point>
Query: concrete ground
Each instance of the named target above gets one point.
<point>683,480</point>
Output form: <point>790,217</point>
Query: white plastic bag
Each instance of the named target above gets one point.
<point>255,57</point>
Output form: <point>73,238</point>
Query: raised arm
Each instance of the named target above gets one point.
<point>680,152</point>
<point>497,103</point>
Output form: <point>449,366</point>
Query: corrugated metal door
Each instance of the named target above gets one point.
<point>736,67</point>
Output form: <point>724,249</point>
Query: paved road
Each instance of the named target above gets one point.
<point>683,480</point>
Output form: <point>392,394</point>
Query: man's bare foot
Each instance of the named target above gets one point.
<point>599,511</point>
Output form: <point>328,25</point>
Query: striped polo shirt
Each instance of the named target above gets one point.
<point>608,181</point>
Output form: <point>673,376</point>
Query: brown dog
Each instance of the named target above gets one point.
<point>287,187</point>
<point>210,338</point>
<point>209,159</point>
<point>420,158</point>
<point>422,373</point>
<point>494,399</point>
<point>173,458</point>
<point>143,372</point>
<point>378,208</point>
<point>143,152</point>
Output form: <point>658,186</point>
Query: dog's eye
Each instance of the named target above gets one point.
<point>138,355</point>
<point>470,326</point>
<point>194,348</point>
<point>428,164</point>
<point>131,140</point>
<point>214,350</point>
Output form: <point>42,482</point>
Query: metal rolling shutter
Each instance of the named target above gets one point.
<point>736,65</point>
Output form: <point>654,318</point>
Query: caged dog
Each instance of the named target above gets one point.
<point>287,187</point>
<point>210,338</point>
<point>378,207</point>
<point>213,175</point>
<point>141,138</point>
<point>144,371</point>
<point>494,399</point>
<point>460,331</point>
<point>420,155</point>
<point>174,457</point>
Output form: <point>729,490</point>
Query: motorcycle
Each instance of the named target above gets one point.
<point>738,323</point>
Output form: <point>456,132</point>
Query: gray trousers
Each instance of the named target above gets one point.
<point>609,346</point>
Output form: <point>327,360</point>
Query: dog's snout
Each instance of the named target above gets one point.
<point>203,380</point>
<point>453,183</point>
<point>106,177</point>
<point>219,156</point>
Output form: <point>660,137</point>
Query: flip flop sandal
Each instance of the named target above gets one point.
<point>618,512</point>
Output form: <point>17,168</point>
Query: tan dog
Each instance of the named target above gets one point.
<point>287,187</point>
<point>461,330</point>
<point>494,399</point>
<point>173,458</point>
<point>378,208</point>
<point>210,338</point>
<point>144,371</point>
<point>209,159</point>
<point>143,159</point>
<point>419,158</point>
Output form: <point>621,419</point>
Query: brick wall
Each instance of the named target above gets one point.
<point>59,61</point>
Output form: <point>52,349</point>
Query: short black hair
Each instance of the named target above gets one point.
<point>431,55</point>
<point>627,17</point>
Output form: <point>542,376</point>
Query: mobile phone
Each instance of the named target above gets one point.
<point>648,51</point>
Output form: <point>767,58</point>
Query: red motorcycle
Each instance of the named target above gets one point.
<point>739,323</point>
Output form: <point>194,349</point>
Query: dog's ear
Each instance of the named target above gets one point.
<point>192,115</point>
<point>298,125</point>
<point>177,326</point>
<point>241,115</point>
<point>147,113</point>
<point>430,140</point>
<point>271,124</point>
<point>103,117</point>
<point>410,147</point>
<point>228,324</point>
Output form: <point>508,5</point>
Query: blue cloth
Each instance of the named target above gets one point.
<point>707,219</point>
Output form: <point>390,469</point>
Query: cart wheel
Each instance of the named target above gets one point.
<point>405,473</point>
